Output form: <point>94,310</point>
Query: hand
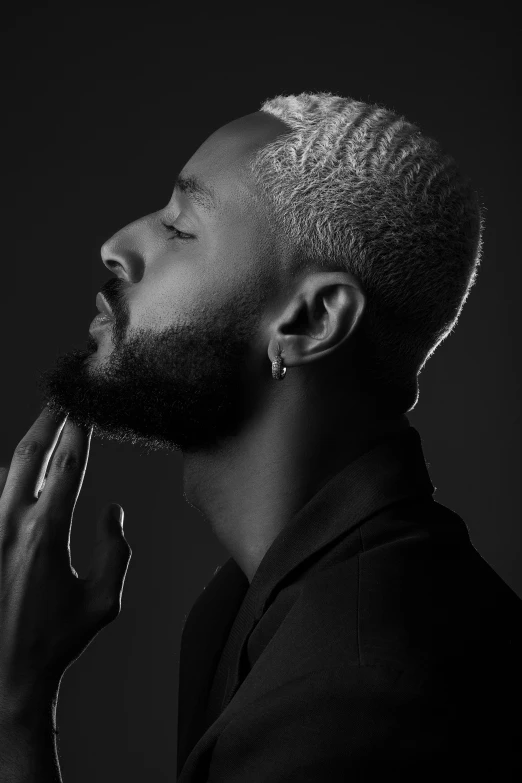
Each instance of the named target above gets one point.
<point>48,615</point>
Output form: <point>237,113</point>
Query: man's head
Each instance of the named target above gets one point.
<point>325,226</point>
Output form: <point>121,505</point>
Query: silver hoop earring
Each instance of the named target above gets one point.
<point>278,371</point>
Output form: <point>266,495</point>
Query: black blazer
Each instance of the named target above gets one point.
<point>373,640</point>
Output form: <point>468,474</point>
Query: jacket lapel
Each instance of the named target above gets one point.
<point>204,635</point>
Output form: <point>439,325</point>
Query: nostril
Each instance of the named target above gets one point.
<point>112,264</point>
<point>122,259</point>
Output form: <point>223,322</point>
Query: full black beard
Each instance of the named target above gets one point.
<point>185,388</point>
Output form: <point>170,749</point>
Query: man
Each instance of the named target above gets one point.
<point>271,323</point>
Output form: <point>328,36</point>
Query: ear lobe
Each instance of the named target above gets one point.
<point>322,313</point>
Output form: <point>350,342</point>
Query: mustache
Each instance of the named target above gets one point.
<point>114,291</point>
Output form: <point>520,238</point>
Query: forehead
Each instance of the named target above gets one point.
<point>221,162</point>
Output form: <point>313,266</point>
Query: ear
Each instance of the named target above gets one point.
<point>320,315</point>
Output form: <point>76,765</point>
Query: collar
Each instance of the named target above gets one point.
<point>217,628</point>
<point>390,471</point>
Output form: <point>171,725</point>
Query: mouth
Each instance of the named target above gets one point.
<point>100,322</point>
<point>105,316</point>
<point>103,305</point>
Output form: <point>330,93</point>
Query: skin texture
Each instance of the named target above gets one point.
<point>186,364</point>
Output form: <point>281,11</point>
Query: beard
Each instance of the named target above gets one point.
<point>183,388</point>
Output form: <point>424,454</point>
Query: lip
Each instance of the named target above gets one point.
<point>103,305</point>
<point>100,322</point>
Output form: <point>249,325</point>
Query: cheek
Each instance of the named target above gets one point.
<point>240,259</point>
<point>177,285</point>
<point>174,288</point>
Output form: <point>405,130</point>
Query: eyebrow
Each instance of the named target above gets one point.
<point>196,190</point>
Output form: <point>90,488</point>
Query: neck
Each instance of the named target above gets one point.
<point>252,486</point>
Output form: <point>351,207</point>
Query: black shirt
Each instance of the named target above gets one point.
<point>373,639</point>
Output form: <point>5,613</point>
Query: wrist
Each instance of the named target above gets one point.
<point>28,708</point>
<point>28,752</point>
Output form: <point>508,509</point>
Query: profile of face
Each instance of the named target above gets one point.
<point>184,363</point>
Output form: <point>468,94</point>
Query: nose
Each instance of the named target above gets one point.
<point>121,255</point>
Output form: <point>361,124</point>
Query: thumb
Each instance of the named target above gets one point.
<point>111,559</point>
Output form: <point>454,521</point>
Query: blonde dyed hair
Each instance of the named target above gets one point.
<point>355,186</point>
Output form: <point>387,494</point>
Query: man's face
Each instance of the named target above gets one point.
<point>184,363</point>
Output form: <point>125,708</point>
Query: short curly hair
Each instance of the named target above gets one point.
<point>355,186</point>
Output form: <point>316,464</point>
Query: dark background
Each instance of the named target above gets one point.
<point>102,106</point>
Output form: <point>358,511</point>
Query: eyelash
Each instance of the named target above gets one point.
<point>177,233</point>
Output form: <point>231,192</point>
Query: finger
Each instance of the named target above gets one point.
<point>111,559</point>
<point>65,474</point>
<point>31,457</point>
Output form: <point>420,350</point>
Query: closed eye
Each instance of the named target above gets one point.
<point>176,232</point>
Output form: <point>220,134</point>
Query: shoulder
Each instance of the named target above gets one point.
<point>410,603</point>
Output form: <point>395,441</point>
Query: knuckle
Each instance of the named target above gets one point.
<point>66,461</point>
<point>27,449</point>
